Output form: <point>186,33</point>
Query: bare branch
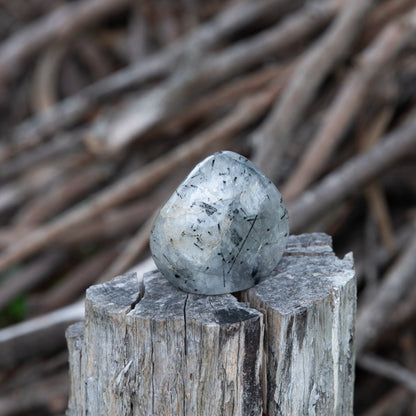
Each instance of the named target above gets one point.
<point>389,370</point>
<point>371,63</point>
<point>274,135</point>
<point>114,133</point>
<point>245,113</point>
<point>29,276</point>
<point>341,183</point>
<point>44,335</point>
<point>134,248</point>
<point>373,316</point>
<point>73,108</point>
<point>61,24</point>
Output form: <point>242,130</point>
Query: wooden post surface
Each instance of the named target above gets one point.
<point>309,310</point>
<point>286,348</point>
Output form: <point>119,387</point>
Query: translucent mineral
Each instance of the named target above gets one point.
<point>223,230</point>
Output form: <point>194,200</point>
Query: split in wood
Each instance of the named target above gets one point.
<point>211,352</point>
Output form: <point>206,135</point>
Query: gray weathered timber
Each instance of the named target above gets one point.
<point>309,308</point>
<point>150,349</point>
<point>159,351</point>
<point>75,338</point>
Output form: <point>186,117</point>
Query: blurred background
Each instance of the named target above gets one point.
<point>105,106</point>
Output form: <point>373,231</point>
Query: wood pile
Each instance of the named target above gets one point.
<point>106,105</point>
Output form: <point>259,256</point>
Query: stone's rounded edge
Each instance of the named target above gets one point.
<point>177,272</point>
<point>116,295</point>
<point>243,160</point>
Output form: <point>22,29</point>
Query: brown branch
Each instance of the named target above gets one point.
<point>61,24</point>
<point>133,249</point>
<point>76,281</point>
<point>38,179</point>
<point>388,369</point>
<point>94,57</point>
<point>374,192</point>
<point>373,316</point>
<point>29,276</point>
<point>44,91</point>
<point>9,235</point>
<point>389,402</point>
<point>62,195</point>
<point>44,335</point>
<point>404,312</point>
<point>137,182</point>
<point>111,224</point>
<point>111,134</point>
<point>114,223</point>
<point>386,12</point>
<point>383,256</point>
<point>370,264</point>
<point>230,93</point>
<point>377,202</point>
<point>12,195</point>
<point>48,396</point>
<point>358,171</point>
<point>275,134</point>
<point>348,102</point>
<point>71,110</point>
<point>61,144</point>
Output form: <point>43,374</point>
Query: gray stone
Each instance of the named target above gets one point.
<point>223,230</point>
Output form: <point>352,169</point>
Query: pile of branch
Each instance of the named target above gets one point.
<point>106,105</point>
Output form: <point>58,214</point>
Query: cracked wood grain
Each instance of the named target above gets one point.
<point>151,349</point>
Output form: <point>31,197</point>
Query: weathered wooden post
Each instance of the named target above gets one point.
<point>284,348</point>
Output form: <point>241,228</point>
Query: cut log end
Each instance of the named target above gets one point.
<point>149,348</point>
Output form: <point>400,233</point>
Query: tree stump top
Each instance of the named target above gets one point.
<point>176,304</point>
<point>283,347</point>
<point>308,272</point>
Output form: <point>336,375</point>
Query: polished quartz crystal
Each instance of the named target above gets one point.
<point>223,230</point>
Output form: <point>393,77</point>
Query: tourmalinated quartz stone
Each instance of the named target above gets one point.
<point>223,230</point>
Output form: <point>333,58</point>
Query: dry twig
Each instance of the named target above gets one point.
<point>61,24</point>
<point>47,395</point>
<point>388,402</point>
<point>133,249</point>
<point>274,135</point>
<point>73,284</point>
<point>388,369</point>
<point>137,182</point>
<point>74,108</point>
<point>30,276</point>
<point>348,102</point>
<point>372,317</point>
<point>110,135</point>
<point>44,335</point>
<point>356,172</point>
